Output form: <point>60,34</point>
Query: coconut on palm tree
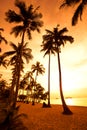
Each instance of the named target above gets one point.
<point>81,4</point>
<point>28,19</point>
<point>48,48</point>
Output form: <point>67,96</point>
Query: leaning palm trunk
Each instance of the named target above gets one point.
<point>65,107</point>
<point>49,82</point>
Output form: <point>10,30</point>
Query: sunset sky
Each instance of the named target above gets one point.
<point>73,56</point>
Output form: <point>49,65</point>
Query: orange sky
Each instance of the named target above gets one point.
<point>73,57</point>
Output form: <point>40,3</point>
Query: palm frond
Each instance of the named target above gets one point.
<point>69,3</point>
<point>17,30</point>
<point>62,31</point>
<point>9,53</point>
<point>11,16</point>
<point>29,34</point>
<point>1,37</point>
<point>67,38</point>
<point>13,46</point>
<point>77,14</point>
<point>22,7</point>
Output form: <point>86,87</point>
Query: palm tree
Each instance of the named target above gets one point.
<point>2,38</point>
<point>39,92</point>
<point>29,78</point>
<point>49,49</point>
<point>28,19</point>
<point>14,60</point>
<point>58,39</point>
<point>39,69</point>
<point>79,10</point>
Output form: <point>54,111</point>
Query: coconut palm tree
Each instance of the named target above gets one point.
<point>29,78</point>
<point>49,49</point>
<point>14,60</point>
<point>39,69</point>
<point>28,20</point>
<point>79,10</point>
<point>39,92</point>
<point>58,39</point>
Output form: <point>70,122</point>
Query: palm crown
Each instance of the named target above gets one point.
<point>28,17</point>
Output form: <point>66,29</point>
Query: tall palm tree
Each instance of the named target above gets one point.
<point>79,10</point>
<point>14,60</point>
<point>2,38</point>
<point>28,19</point>
<point>58,39</point>
<point>49,49</point>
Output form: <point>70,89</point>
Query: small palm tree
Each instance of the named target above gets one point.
<point>79,11</point>
<point>29,78</point>
<point>39,92</point>
<point>49,49</point>
<point>39,69</point>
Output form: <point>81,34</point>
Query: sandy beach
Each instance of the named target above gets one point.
<point>52,118</point>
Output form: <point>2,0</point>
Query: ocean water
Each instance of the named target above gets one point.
<point>71,101</point>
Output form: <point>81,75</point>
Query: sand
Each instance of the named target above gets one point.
<point>52,118</point>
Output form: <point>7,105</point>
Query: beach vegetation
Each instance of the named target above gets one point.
<point>38,69</point>
<point>26,20</point>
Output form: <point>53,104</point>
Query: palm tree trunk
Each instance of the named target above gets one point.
<point>19,70</point>
<point>66,111</point>
<point>33,103</point>
<point>49,82</point>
